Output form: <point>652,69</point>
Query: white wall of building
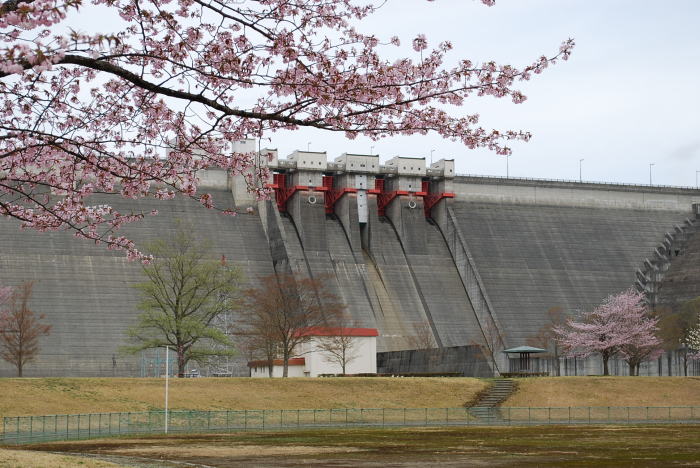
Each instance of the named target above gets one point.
<point>364,350</point>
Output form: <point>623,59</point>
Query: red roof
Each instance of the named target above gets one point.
<point>338,331</point>
<point>300,361</point>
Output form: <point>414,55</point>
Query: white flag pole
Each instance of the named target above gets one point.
<point>167,375</point>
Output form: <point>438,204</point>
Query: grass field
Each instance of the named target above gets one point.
<point>75,395</point>
<point>85,395</point>
<point>606,391</point>
<point>561,446</point>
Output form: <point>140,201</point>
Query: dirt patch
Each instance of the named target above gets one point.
<point>661,446</point>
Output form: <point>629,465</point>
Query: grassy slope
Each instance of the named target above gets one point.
<point>75,395</point>
<point>27,459</point>
<point>606,391</point>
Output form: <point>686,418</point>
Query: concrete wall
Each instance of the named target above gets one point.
<point>87,291</point>
<point>466,360</point>
<point>503,250</point>
<point>559,193</point>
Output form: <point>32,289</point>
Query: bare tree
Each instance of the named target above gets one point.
<point>546,338</point>
<point>675,325</point>
<point>490,343</point>
<point>20,329</point>
<point>341,346</point>
<point>279,311</point>
<point>423,337</point>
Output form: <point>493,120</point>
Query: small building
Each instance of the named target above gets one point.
<point>318,354</point>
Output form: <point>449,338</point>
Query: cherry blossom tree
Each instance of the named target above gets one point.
<point>621,325</point>
<point>139,111</point>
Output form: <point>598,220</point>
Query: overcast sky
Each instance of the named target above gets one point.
<point>629,96</point>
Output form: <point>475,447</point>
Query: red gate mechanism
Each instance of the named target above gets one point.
<point>431,199</point>
<point>282,192</point>
<point>384,198</point>
<point>332,195</point>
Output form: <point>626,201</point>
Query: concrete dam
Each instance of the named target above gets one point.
<point>402,244</point>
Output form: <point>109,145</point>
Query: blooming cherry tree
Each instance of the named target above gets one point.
<point>621,326</point>
<point>139,111</point>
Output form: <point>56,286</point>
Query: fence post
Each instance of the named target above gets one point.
<point>404,416</point>
<point>382,417</point>
<point>549,415</point>
<point>628,415</point>
<point>426,417</point>
<point>263,411</point>
<point>297,419</point>
<point>589,415</point>
<point>509,418</point>
<point>245,420</point>
<point>281,419</point>
<point>647,415</point>
<point>346,417</point>
<point>529,415</point>
<point>608,415</point>
<point>447,416</point>
<point>569,414</point>
<point>669,413</point>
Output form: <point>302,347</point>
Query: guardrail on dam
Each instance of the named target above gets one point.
<point>403,244</point>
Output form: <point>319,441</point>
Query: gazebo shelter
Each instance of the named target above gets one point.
<point>524,353</point>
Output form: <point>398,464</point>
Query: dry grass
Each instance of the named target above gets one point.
<point>606,391</point>
<point>31,459</point>
<point>91,395</point>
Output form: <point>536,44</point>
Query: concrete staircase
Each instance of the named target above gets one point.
<point>486,407</point>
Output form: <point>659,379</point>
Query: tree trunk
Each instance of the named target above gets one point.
<point>19,369</point>
<point>605,364</point>
<point>631,366</point>
<point>270,368</point>
<point>181,362</point>
<point>285,369</point>
<point>669,360</point>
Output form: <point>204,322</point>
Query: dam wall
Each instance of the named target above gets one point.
<point>402,244</point>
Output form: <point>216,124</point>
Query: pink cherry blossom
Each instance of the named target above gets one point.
<point>621,325</point>
<point>139,112</point>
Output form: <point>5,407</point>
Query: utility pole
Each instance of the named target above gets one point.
<point>580,179</point>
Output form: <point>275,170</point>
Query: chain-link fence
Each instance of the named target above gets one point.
<point>28,429</point>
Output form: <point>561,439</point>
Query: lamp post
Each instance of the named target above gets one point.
<point>650,165</point>
<point>507,166</point>
<point>431,156</point>
<point>580,179</point>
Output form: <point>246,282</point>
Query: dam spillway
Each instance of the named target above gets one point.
<point>501,250</point>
